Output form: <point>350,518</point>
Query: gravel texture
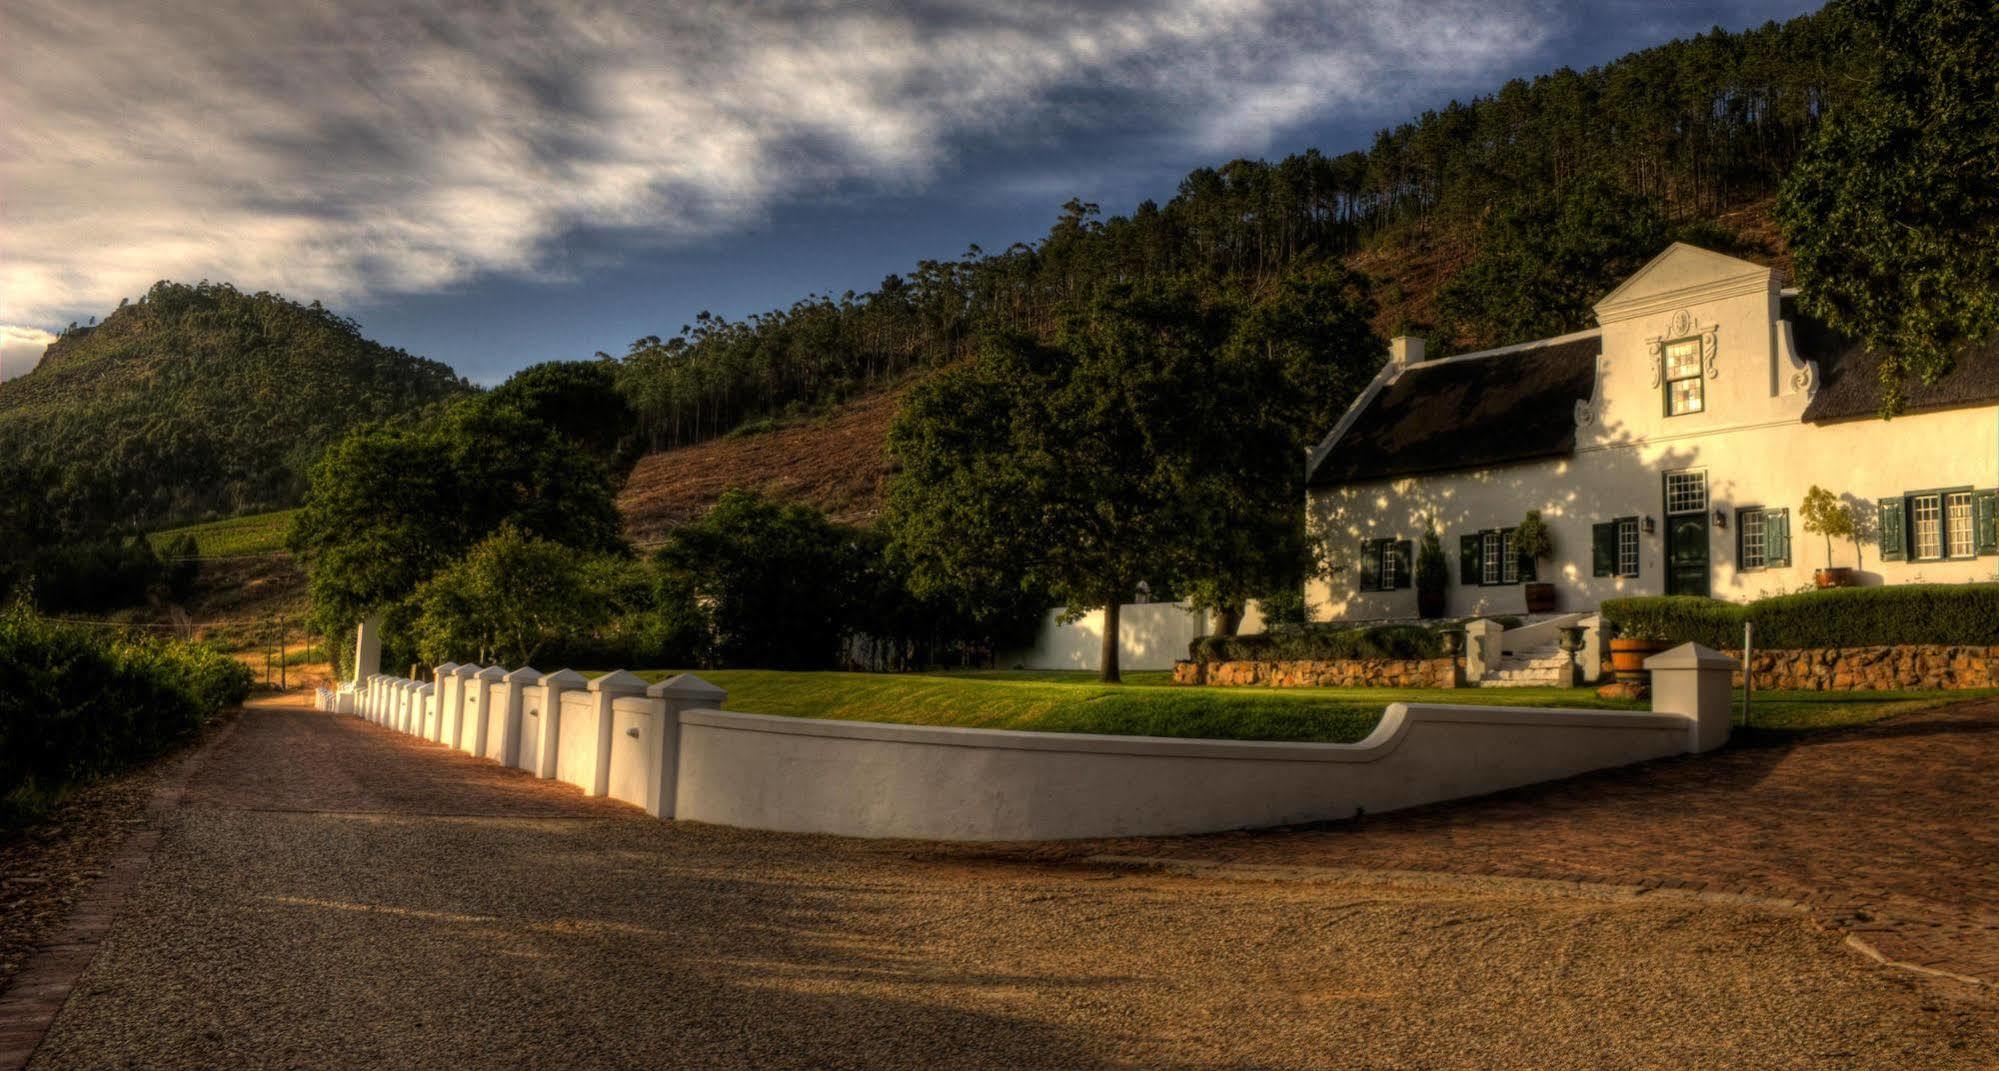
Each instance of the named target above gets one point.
<point>388,931</point>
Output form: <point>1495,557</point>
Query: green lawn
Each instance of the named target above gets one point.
<point>258,533</point>
<point>1148,705</point>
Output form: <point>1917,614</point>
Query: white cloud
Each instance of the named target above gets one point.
<point>334,151</point>
<point>21,349</point>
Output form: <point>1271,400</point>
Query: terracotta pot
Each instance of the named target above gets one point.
<point>1627,658</point>
<point>1540,598</point>
<point>1838,576</point>
<point>1430,604</point>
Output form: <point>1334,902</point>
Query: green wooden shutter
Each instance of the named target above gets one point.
<point>1405,562</point>
<point>1603,549</point>
<point>1370,565</point>
<point>1468,560</point>
<point>1894,541</point>
<point>1776,537</point>
<point>1985,513</point>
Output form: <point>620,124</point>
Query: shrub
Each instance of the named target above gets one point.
<point>1963,614</point>
<point>80,703</point>
<point>1322,643</point>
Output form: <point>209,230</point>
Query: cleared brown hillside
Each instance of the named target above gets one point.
<point>836,463</point>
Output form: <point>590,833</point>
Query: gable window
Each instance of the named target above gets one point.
<point>1684,390</point>
<point>1762,537</point>
<point>1384,564</point>
<point>1614,547</point>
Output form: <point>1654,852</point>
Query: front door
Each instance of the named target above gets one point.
<point>1686,533</point>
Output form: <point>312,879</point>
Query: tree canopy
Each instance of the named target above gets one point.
<point>1893,209</point>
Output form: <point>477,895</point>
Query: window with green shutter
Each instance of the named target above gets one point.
<point>1405,558</point>
<point>1986,505</point>
<point>1777,536</point>
<point>1386,564</point>
<point>1370,565</point>
<point>1894,535</point>
<point>1603,549</point>
<point>1468,571</point>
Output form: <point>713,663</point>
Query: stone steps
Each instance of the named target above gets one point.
<point>1539,667</point>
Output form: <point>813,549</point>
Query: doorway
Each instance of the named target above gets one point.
<point>1686,533</point>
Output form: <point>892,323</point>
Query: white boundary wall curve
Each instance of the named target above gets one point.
<point>671,750</point>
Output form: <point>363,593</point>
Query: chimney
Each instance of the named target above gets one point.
<point>1405,350</point>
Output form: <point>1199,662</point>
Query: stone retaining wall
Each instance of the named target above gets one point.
<point>1825,669</point>
<point>1321,673</point>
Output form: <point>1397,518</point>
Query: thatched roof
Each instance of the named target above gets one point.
<point>1468,413</point>
<point>1850,387</point>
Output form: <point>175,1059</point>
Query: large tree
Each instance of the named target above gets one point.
<point>389,506</point>
<point>1893,211</point>
<point>1117,455</point>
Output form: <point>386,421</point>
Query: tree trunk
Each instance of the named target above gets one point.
<point>1228,620</point>
<point>1107,671</point>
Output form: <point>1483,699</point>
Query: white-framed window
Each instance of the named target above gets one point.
<point>1492,554</point>
<point>1958,526</point>
<point>1384,565</point>
<point>1627,546</point>
<point>1926,516</point>
<point>1684,392</point>
<point>1509,559</point>
<point>1686,491</point>
<point>1752,536</point>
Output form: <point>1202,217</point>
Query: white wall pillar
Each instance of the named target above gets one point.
<point>425,705</point>
<point>602,691</point>
<point>481,692</point>
<point>1481,648</point>
<point>674,696</point>
<point>549,732</point>
<point>368,647</point>
<point>452,733</point>
<point>508,699</point>
<point>433,728</point>
<point>1592,652</point>
<point>1695,683</point>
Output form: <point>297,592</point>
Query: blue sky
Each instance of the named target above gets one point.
<point>497,185</point>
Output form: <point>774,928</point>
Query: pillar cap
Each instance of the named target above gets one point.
<point>566,678</point>
<point>523,675</point>
<point>445,668</point>
<point>1690,656</point>
<point>687,686</point>
<point>466,670</point>
<point>619,682</point>
<point>490,673</point>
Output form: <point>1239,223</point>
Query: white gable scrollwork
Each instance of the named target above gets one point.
<point>1586,408</point>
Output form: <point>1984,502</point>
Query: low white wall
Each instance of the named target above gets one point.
<point>673,752</point>
<point>1151,635</point>
<point>869,780</point>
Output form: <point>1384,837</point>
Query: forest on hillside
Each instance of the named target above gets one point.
<point>1570,173</point>
<point>196,401</point>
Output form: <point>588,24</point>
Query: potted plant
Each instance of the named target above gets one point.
<point>1630,645</point>
<point>1431,576</point>
<point>1534,542</point>
<point>1829,517</point>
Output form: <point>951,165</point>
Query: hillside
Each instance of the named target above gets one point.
<point>835,463</point>
<point>200,401</point>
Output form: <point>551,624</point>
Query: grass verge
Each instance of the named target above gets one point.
<point>1148,705</point>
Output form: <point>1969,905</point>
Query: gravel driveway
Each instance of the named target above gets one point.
<point>384,903</point>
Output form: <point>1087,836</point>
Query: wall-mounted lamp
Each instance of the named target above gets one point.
<point>1651,526</point>
<point>1720,519</point>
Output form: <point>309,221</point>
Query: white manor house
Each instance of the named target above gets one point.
<point>1668,450</point>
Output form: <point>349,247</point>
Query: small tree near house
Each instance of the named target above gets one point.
<point>1824,514</point>
<point>1432,576</point>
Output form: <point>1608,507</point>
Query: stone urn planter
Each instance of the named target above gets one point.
<point>1628,655</point>
<point>1838,576</point>
<point>1540,598</point>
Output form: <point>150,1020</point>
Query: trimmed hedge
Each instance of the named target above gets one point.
<point>1327,642</point>
<point>1957,614</point>
<point>79,703</point>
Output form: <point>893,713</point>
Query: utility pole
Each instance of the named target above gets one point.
<point>281,653</point>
